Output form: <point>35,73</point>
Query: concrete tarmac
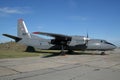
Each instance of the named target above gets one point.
<point>69,67</point>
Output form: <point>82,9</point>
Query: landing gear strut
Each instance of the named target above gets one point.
<point>62,50</point>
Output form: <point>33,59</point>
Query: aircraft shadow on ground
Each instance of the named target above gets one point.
<point>58,53</point>
<point>53,54</point>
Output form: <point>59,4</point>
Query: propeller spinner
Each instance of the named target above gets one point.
<point>86,39</point>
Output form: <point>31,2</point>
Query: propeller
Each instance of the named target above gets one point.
<point>86,39</point>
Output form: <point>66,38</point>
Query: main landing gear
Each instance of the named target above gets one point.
<point>62,53</point>
<point>30,49</point>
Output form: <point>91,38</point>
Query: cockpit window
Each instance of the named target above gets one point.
<point>101,41</point>
<point>105,42</point>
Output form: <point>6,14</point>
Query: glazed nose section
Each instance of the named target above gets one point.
<point>112,46</point>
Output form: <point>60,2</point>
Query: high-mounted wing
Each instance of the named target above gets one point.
<point>59,38</point>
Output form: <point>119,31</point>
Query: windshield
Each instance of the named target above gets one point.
<point>103,41</point>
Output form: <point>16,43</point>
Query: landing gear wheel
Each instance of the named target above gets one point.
<point>70,51</point>
<point>102,53</point>
<point>62,53</point>
<point>30,49</point>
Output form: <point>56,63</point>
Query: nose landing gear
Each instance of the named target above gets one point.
<point>102,53</point>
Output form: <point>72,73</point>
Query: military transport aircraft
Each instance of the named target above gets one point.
<point>59,41</point>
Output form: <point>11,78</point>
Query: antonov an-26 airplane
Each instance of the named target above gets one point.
<point>59,41</point>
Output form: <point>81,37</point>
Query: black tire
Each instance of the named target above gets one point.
<point>102,53</point>
<point>30,49</point>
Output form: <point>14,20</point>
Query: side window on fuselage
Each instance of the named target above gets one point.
<point>77,41</point>
<point>40,43</point>
<point>102,41</point>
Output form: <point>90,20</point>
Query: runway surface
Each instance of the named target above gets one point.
<point>69,67</point>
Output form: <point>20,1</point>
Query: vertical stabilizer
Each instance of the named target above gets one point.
<point>22,29</point>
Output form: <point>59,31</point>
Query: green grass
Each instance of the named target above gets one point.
<point>16,54</point>
<point>14,50</point>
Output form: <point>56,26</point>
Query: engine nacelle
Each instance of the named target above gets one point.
<point>59,42</point>
<point>78,40</point>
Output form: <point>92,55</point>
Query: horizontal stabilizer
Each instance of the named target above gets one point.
<point>13,37</point>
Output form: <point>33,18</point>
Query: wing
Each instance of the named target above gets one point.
<point>59,38</point>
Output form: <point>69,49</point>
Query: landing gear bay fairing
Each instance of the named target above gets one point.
<point>59,41</point>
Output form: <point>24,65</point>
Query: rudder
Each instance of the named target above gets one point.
<point>22,30</point>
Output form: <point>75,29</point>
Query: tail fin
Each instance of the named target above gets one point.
<point>22,30</point>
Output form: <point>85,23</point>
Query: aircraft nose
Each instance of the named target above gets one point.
<point>113,46</point>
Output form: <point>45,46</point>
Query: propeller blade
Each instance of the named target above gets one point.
<point>87,35</point>
<point>86,39</point>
